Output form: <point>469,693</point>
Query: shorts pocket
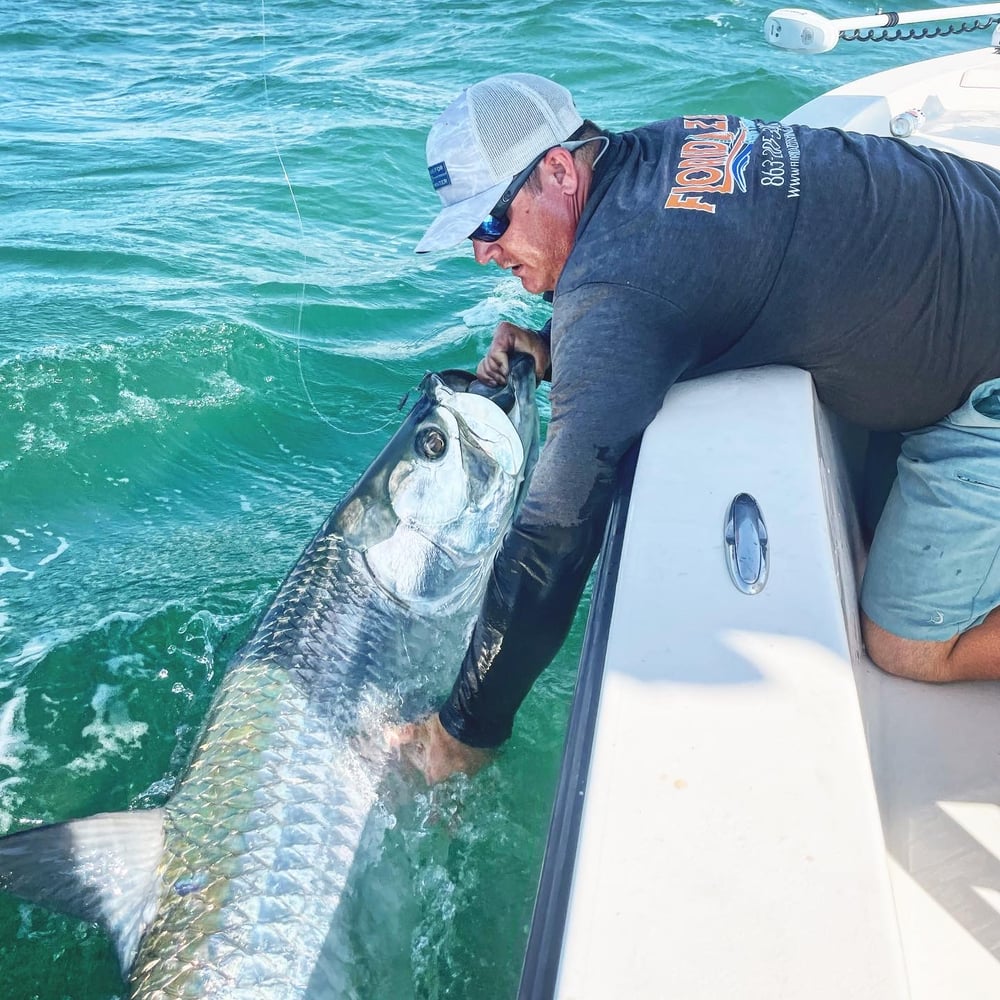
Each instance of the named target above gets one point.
<point>977,481</point>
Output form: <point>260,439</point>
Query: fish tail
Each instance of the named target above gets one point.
<point>102,869</point>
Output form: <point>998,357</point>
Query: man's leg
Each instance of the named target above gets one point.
<point>971,656</point>
<point>931,593</point>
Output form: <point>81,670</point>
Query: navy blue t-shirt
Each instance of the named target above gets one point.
<point>710,243</point>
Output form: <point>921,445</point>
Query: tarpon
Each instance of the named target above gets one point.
<point>231,889</point>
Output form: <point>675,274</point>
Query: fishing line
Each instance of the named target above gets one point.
<point>302,239</point>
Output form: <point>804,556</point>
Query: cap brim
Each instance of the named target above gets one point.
<point>457,222</point>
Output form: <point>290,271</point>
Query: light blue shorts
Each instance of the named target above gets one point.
<point>934,566</point>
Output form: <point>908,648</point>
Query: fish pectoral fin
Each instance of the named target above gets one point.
<point>103,869</point>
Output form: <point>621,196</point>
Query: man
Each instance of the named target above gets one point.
<point>709,243</point>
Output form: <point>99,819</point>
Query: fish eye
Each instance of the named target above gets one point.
<point>430,443</point>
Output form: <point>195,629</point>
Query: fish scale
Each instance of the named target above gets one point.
<point>289,850</point>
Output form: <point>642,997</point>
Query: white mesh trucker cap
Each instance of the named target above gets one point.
<point>490,133</point>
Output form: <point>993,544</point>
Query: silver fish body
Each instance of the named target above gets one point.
<point>232,889</point>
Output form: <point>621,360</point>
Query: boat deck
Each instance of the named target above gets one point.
<point>958,96</point>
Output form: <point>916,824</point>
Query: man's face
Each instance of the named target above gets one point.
<point>540,236</point>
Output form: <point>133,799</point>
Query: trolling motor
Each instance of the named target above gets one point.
<point>805,31</point>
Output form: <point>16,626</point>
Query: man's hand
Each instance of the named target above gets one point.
<point>509,338</point>
<point>433,751</point>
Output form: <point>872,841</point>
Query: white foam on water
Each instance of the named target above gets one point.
<point>112,728</point>
<point>32,437</point>
<point>15,748</point>
<point>13,735</point>
<point>11,802</point>
<point>506,302</point>
<point>143,408</point>
<point>156,794</point>
<point>38,647</point>
<point>6,566</point>
<point>60,549</point>
<point>33,651</point>
<point>119,664</point>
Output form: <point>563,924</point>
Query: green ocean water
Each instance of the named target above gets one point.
<point>209,313</point>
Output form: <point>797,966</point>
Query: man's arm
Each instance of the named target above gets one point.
<point>613,365</point>
<point>535,586</point>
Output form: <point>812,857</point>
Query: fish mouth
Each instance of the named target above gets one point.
<point>515,398</point>
<point>520,383</point>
